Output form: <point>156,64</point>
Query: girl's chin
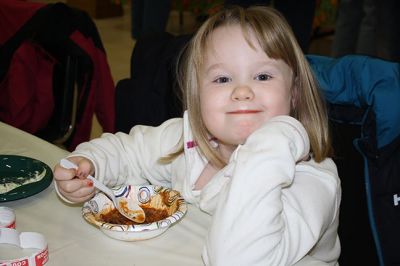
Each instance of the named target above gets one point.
<point>238,134</point>
<point>233,140</point>
<point>244,132</point>
<point>240,139</point>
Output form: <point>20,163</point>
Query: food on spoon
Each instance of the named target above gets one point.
<point>136,215</point>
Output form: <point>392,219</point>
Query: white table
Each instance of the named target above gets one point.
<point>72,241</point>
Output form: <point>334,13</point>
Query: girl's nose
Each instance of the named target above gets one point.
<point>242,93</point>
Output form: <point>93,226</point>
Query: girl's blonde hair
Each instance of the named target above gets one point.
<point>276,38</point>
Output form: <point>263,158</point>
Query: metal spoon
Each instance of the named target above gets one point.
<point>128,208</point>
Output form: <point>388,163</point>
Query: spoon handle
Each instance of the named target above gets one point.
<point>103,188</point>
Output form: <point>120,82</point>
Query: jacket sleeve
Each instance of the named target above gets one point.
<point>133,158</point>
<point>364,82</point>
<point>269,214</point>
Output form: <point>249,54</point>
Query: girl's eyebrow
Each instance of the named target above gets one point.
<point>213,67</point>
<point>263,63</point>
<point>269,62</point>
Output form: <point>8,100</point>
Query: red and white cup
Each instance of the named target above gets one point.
<point>7,218</point>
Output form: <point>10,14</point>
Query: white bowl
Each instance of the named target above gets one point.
<point>148,196</point>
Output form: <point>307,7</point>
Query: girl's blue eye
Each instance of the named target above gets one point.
<point>263,77</point>
<point>222,80</point>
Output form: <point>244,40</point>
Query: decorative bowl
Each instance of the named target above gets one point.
<point>163,207</point>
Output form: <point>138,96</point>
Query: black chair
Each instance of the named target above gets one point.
<point>150,96</point>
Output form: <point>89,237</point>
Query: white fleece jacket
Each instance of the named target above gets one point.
<point>269,205</point>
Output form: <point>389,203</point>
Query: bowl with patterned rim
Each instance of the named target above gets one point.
<point>163,207</point>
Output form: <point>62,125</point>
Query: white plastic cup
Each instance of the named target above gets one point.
<point>7,218</point>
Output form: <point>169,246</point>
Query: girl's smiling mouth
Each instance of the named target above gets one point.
<point>243,112</point>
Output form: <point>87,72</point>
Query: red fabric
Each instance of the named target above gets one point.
<point>26,100</point>
<point>101,100</point>
<point>14,14</point>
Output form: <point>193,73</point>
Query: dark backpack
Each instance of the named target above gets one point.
<point>151,95</point>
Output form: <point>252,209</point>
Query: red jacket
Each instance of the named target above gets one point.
<point>35,40</point>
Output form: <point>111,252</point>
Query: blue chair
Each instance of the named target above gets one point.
<point>363,96</point>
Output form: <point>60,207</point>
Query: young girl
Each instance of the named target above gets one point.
<point>251,149</point>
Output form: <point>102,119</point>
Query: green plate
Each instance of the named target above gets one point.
<point>14,167</point>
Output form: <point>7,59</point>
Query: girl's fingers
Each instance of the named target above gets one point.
<point>81,197</point>
<point>63,174</point>
<point>74,185</point>
<point>76,190</point>
<point>84,168</point>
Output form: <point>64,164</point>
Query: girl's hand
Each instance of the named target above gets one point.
<point>72,183</point>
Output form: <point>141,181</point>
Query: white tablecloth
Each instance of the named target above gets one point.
<point>72,241</point>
